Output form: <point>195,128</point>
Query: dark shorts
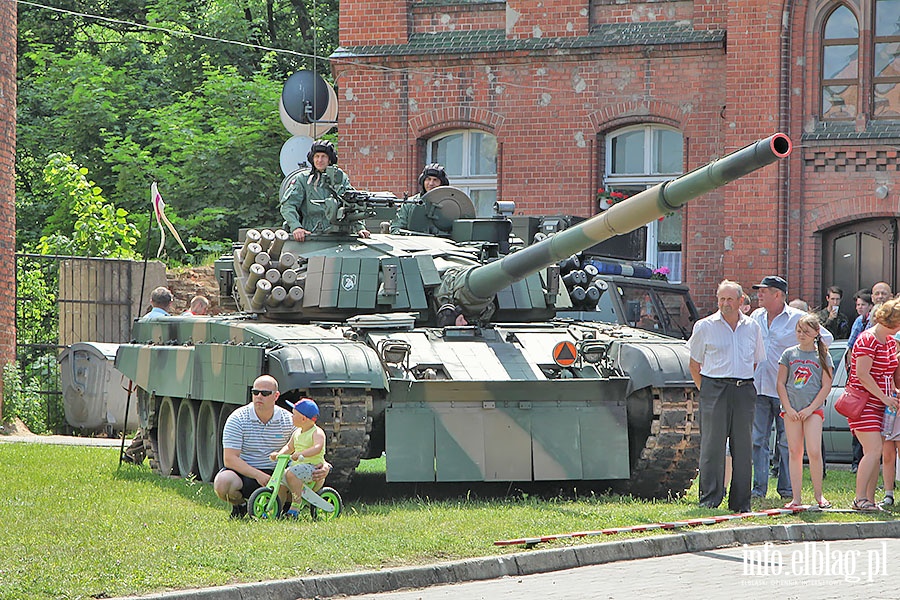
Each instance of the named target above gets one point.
<point>250,485</point>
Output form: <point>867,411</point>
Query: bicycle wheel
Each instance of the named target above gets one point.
<point>331,496</point>
<point>258,504</point>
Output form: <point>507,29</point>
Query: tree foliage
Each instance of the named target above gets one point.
<point>100,229</point>
<point>133,105</point>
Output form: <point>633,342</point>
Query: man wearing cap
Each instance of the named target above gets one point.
<point>725,348</point>
<point>251,434</point>
<point>778,323</point>
<point>306,446</point>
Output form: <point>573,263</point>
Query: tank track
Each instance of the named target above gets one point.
<point>346,418</point>
<point>671,454</point>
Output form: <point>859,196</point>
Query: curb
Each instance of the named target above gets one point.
<point>61,440</point>
<point>531,562</point>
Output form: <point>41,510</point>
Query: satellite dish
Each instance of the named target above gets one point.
<point>313,130</point>
<point>294,152</point>
<point>447,204</point>
<point>305,96</point>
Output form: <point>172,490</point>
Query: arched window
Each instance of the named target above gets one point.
<point>886,78</point>
<point>856,79</point>
<point>470,159</point>
<point>840,65</point>
<point>639,157</point>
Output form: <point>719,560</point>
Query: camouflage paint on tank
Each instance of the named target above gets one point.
<point>218,358</point>
<point>471,431</point>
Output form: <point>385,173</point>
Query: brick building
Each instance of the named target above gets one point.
<point>7,185</point>
<point>544,102</point>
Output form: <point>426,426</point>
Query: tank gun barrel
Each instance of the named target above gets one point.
<point>483,282</point>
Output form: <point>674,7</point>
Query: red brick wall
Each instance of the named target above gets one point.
<point>540,18</point>
<point>374,22</point>
<point>754,211</point>
<point>612,11</point>
<point>460,17</point>
<point>7,184</point>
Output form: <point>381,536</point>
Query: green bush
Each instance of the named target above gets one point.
<point>22,399</point>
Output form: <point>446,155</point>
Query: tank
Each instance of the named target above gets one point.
<point>441,351</point>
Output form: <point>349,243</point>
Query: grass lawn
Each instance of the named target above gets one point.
<point>76,526</point>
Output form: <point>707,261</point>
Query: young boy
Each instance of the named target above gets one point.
<point>306,446</point>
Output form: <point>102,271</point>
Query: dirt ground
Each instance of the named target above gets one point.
<point>15,427</point>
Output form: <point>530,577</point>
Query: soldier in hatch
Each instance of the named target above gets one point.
<point>311,199</point>
<point>433,176</point>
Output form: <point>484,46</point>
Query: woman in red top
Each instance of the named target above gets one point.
<point>873,368</point>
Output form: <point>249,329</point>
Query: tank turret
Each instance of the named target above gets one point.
<point>334,276</point>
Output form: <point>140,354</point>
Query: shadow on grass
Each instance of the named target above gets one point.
<point>373,486</point>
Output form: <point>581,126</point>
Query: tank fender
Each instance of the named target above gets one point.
<point>655,365</point>
<point>327,364</point>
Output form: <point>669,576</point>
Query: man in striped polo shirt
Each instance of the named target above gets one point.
<point>251,433</point>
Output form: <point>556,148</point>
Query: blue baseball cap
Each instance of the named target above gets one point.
<point>305,407</point>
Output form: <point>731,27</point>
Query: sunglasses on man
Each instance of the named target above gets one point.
<point>263,393</point>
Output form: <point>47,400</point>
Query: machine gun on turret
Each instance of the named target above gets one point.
<point>358,205</point>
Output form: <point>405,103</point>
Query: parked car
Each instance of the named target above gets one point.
<point>836,431</point>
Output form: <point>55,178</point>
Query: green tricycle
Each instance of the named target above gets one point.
<point>264,503</point>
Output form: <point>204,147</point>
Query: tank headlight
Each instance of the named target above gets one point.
<point>394,352</point>
<point>593,351</point>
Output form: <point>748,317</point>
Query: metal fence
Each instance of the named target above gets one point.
<point>61,300</point>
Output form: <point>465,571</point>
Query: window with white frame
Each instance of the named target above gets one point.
<point>639,157</point>
<point>470,158</point>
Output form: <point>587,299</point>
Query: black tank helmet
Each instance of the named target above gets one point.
<point>322,146</point>
<point>432,170</point>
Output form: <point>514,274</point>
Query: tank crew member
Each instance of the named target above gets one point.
<point>160,302</point>
<point>310,201</point>
<point>724,377</point>
<point>432,176</point>
<point>251,434</point>
<point>449,315</point>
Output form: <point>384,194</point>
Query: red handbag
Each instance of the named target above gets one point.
<point>852,402</point>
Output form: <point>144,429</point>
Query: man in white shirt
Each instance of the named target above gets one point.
<point>725,348</point>
<point>778,323</point>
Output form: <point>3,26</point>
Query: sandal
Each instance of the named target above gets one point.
<point>824,504</point>
<point>792,505</point>
<point>864,505</point>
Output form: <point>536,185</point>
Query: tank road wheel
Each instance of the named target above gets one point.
<point>186,438</point>
<point>259,500</point>
<point>224,412</point>
<point>346,418</point>
<point>665,458</point>
<point>207,442</point>
<point>331,496</point>
<point>165,436</point>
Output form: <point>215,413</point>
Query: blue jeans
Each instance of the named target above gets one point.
<point>767,409</point>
